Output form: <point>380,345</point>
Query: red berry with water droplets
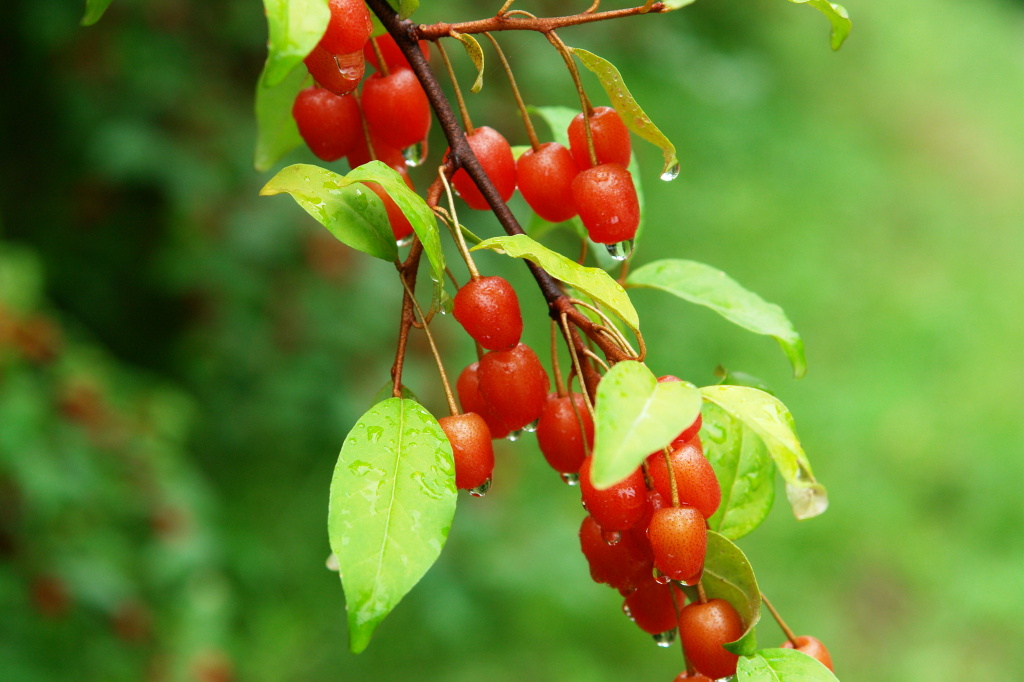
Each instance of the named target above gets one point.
<point>468,388</point>
<point>339,73</point>
<point>495,156</point>
<point>622,565</point>
<point>678,537</point>
<point>393,57</point>
<point>611,138</point>
<point>471,446</point>
<point>544,176</point>
<point>514,384</point>
<point>387,154</point>
<point>813,647</point>
<point>565,432</point>
<point>488,309</point>
<point>650,606</point>
<point>619,507</point>
<point>396,108</point>
<point>330,125</point>
<point>704,628</point>
<point>696,483</point>
<point>348,28</point>
<point>607,203</point>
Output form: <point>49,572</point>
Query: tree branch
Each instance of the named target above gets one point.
<point>516,22</point>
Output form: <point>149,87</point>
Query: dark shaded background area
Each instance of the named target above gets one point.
<point>180,359</point>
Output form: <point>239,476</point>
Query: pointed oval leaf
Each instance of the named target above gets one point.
<point>391,505</point>
<point>632,115</point>
<point>744,470</point>
<point>294,28</point>
<point>836,14</point>
<point>594,282</point>
<point>766,416</point>
<point>710,287</point>
<point>476,53</point>
<point>276,131</point>
<point>94,10</point>
<point>351,212</point>
<point>635,416</point>
<point>782,665</point>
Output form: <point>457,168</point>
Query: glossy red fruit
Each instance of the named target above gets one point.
<point>650,606</point>
<point>330,125</point>
<point>565,432</point>
<point>617,508</point>
<point>382,151</point>
<point>813,647</point>
<point>400,225</point>
<point>654,502</point>
<point>495,155</point>
<point>611,138</point>
<point>607,203</point>
<point>468,388</point>
<point>692,677</point>
<point>471,446</point>
<point>623,565</point>
<point>679,540</point>
<point>488,309</point>
<point>696,483</point>
<point>544,177</point>
<point>393,56</point>
<point>704,628</point>
<point>691,430</point>
<point>396,108</point>
<point>514,385</point>
<point>339,73</point>
<point>348,28</point>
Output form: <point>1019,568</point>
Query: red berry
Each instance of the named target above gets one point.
<point>679,538</point>
<point>623,565</point>
<point>692,677</point>
<point>696,483</point>
<point>619,507</point>
<point>611,138</point>
<point>691,430</point>
<point>545,178</point>
<point>495,156</point>
<point>400,225</point>
<point>349,27</point>
<point>396,108</point>
<point>382,151</point>
<point>704,628</point>
<point>488,309</point>
<point>514,384</point>
<point>330,125</point>
<point>607,202</point>
<point>468,388</point>
<point>339,73</point>
<point>471,446</point>
<point>650,605</point>
<point>565,433</point>
<point>813,647</point>
<point>393,56</point>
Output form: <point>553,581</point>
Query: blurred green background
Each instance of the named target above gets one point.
<point>180,360</point>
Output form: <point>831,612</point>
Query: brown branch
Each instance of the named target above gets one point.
<point>407,271</point>
<point>505,22</point>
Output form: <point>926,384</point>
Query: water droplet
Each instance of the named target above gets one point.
<point>621,250</point>
<point>416,154</point>
<point>406,240</point>
<point>374,433</point>
<point>662,579</point>
<point>611,537</point>
<point>513,436</point>
<point>531,427</point>
<point>332,562</point>
<point>672,173</point>
<point>625,610</point>
<point>481,489</point>
<point>665,639</point>
<point>571,479</point>
<point>807,500</point>
<point>350,66</point>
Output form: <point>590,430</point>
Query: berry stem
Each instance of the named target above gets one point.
<point>790,635</point>
<point>588,109</point>
<point>673,486</point>
<point>463,111</point>
<point>452,405</point>
<point>530,132</point>
<point>409,268</point>
<point>383,65</point>
<point>555,369</point>
<point>574,343</point>
<point>454,226</point>
<point>701,595</point>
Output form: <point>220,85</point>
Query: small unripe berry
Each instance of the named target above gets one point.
<point>493,152</point>
<point>471,446</point>
<point>488,309</point>
<point>607,203</point>
<point>514,384</point>
<point>704,628</point>
<point>611,138</point>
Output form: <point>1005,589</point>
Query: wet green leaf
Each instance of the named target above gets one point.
<point>766,416</point>
<point>391,505</point>
<point>276,132</point>
<point>837,15</point>
<point>350,211</point>
<point>632,115</point>
<point>294,28</point>
<point>782,665</point>
<point>594,282</point>
<point>710,287</point>
<point>744,470</point>
<point>635,416</point>
<point>729,576</point>
<point>94,10</point>
<point>475,53</point>
<point>558,120</point>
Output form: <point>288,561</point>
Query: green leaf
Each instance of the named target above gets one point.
<point>276,132</point>
<point>744,470</point>
<point>729,576</point>
<point>734,378</point>
<point>635,416</point>
<point>710,287</point>
<point>294,27</point>
<point>94,10</point>
<point>392,502</point>
<point>405,8</point>
<point>782,665</point>
<point>387,390</point>
<point>766,416</point>
<point>837,15</point>
<point>677,4</point>
<point>21,279</point>
<point>594,282</point>
<point>558,120</point>
<point>475,53</point>
<point>632,115</point>
<point>351,212</point>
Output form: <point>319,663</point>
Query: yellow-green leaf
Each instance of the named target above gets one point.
<point>837,15</point>
<point>475,53</point>
<point>276,132</point>
<point>294,28</point>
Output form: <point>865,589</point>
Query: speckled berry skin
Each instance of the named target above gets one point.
<point>544,177</point>
<point>396,107</point>
<point>611,138</point>
<point>679,540</point>
<point>514,385</point>
<point>488,309</point>
<point>704,628</point>
<point>650,606</point>
<point>623,565</point>
<point>619,507</point>
<point>607,202</point>
<point>696,483</point>
<point>494,153</point>
<point>349,27</point>
<point>468,388</point>
<point>329,124</point>
<point>471,446</point>
<point>565,434</point>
